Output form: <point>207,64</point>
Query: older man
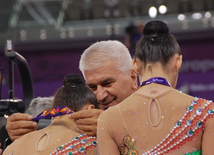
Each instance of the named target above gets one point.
<point>107,69</point>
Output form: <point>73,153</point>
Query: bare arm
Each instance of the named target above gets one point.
<point>92,151</point>
<point>86,120</point>
<point>19,124</point>
<point>208,138</point>
<point>106,144</point>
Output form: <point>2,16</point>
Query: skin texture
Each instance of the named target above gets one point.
<point>111,126</point>
<point>169,72</point>
<point>110,86</point>
<point>19,124</point>
<point>46,140</point>
<point>86,121</point>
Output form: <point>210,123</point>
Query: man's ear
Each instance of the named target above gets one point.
<point>133,79</point>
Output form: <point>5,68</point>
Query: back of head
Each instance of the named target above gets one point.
<point>103,52</point>
<point>39,104</point>
<point>156,44</point>
<point>74,94</point>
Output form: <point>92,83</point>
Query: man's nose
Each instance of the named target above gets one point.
<point>101,93</point>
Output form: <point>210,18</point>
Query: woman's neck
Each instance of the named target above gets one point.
<point>64,120</point>
<point>154,70</point>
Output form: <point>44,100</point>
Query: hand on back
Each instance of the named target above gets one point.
<point>86,120</point>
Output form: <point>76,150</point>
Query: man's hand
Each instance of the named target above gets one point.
<point>19,124</point>
<point>86,120</point>
<point>0,149</point>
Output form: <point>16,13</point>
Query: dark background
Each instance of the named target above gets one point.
<point>52,35</point>
<point>49,66</point>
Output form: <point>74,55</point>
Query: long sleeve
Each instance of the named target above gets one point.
<point>106,143</point>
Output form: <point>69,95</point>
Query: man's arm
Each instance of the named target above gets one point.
<point>86,120</point>
<point>19,124</point>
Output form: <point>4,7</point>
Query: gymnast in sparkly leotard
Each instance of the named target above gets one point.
<point>157,119</point>
<point>62,136</point>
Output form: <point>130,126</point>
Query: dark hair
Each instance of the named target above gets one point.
<point>156,44</point>
<point>74,93</point>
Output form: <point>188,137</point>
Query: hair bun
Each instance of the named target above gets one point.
<point>155,27</point>
<point>72,80</point>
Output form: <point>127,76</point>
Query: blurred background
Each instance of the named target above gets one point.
<point>52,34</point>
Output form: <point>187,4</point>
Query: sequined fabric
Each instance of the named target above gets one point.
<point>60,140</point>
<point>198,152</point>
<point>128,146</point>
<point>77,146</point>
<point>168,123</point>
<point>187,128</point>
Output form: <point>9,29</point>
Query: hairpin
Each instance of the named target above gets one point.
<point>153,37</point>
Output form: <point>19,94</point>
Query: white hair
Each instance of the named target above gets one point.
<point>39,104</point>
<point>103,52</point>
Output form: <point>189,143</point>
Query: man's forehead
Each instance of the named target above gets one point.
<point>102,74</point>
<point>100,81</point>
